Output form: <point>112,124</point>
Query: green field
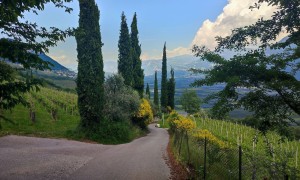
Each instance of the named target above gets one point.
<point>56,113</point>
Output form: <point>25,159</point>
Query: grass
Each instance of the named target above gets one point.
<point>44,126</point>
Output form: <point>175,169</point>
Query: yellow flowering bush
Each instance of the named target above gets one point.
<point>184,124</point>
<point>179,122</point>
<point>201,134</point>
<point>144,116</point>
<point>171,118</point>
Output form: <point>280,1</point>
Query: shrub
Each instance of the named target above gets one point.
<point>144,116</point>
<point>122,102</point>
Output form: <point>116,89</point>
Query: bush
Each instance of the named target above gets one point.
<point>144,116</point>
<point>122,102</point>
<point>108,132</point>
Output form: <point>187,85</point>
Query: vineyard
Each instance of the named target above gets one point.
<point>224,150</point>
<point>49,113</point>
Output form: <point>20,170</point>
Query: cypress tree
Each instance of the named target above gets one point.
<point>90,77</point>
<point>164,81</point>
<point>138,72</point>
<point>125,53</point>
<point>171,90</point>
<point>148,91</point>
<point>156,99</point>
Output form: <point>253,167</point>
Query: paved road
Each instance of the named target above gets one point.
<point>39,158</point>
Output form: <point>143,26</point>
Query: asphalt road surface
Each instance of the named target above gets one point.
<point>40,158</point>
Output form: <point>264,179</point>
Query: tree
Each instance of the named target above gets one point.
<point>126,53</point>
<point>26,41</point>
<point>164,81</point>
<point>156,98</point>
<point>122,102</point>
<point>148,91</point>
<point>190,101</point>
<point>90,77</point>
<point>171,90</point>
<point>138,72</point>
<point>273,88</point>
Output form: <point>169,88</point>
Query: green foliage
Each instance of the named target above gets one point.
<point>274,91</point>
<point>90,77</point>
<point>148,91</point>
<point>144,116</point>
<point>190,101</point>
<point>156,98</point>
<point>122,102</point>
<point>126,53</point>
<point>113,133</point>
<point>138,72</point>
<point>27,39</point>
<point>171,90</point>
<point>164,81</point>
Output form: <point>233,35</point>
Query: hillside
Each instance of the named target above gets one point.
<point>55,65</point>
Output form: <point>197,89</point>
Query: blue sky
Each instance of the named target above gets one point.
<point>180,23</point>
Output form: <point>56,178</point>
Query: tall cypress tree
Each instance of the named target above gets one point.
<point>148,91</point>
<point>164,81</point>
<point>171,90</point>
<point>138,72</point>
<point>156,99</point>
<point>90,77</point>
<point>125,53</point>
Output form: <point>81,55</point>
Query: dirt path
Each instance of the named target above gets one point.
<point>39,158</point>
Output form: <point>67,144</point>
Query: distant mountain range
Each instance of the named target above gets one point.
<point>179,63</point>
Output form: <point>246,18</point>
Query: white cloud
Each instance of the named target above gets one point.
<point>235,14</point>
<point>179,51</point>
<point>170,53</point>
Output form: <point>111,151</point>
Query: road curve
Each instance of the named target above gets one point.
<point>40,158</point>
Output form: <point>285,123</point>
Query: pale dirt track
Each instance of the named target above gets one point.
<point>40,158</point>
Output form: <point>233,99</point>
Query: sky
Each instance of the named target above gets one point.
<point>179,23</point>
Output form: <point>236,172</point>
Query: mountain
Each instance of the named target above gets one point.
<point>181,64</point>
<point>55,65</point>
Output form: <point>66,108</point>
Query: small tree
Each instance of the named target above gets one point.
<point>171,90</point>
<point>190,101</point>
<point>122,102</point>
<point>148,91</point>
<point>156,98</point>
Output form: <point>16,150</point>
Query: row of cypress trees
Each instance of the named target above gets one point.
<point>129,62</point>
<point>167,86</point>
<point>90,78</point>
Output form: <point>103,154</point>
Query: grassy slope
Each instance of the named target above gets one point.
<point>64,127</point>
<point>44,126</point>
